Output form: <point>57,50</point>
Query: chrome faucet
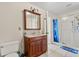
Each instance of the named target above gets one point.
<point>33,32</point>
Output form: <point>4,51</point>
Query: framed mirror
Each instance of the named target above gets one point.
<point>31,20</point>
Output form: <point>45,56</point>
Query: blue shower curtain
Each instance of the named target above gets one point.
<point>55,30</point>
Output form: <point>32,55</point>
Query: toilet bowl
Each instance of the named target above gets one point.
<point>15,54</point>
<point>9,49</point>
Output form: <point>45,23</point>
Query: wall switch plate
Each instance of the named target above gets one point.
<point>19,28</point>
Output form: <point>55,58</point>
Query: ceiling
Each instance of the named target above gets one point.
<point>57,8</point>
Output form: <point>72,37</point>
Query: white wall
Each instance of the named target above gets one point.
<point>49,29</point>
<point>11,18</point>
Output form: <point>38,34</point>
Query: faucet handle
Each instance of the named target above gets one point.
<point>24,33</point>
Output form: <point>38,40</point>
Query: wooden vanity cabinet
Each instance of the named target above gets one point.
<point>35,46</point>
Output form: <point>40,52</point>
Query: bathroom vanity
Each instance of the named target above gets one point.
<point>35,45</point>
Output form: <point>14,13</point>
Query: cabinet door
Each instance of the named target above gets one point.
<point>44,45</point>
<point>38,47</point>
<point>32,48</point>
<point>35,48</point>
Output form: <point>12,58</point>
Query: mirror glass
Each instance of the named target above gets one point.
<point>32,20</point>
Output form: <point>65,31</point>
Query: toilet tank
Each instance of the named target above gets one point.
<point>9,47</point>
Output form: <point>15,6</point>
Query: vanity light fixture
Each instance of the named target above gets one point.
<point>36,10</point>
<point>33,9</point>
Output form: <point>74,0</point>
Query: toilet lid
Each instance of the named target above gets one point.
<point>12,55</point>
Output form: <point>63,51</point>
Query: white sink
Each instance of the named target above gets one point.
<point>35,35</point>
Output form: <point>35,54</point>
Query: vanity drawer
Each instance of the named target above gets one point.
<point>35,38</point>
<point>44,37</point>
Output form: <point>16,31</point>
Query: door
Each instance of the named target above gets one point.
<point>67,31</point>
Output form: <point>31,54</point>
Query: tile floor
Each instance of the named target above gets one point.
<point>51,52</point>
<point>55,51</point>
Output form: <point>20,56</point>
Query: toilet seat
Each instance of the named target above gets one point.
<point>15,54</point>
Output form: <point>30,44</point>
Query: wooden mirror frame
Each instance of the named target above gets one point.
<point>24,12</point>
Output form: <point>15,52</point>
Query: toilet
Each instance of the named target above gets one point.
<point>9,49</point>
